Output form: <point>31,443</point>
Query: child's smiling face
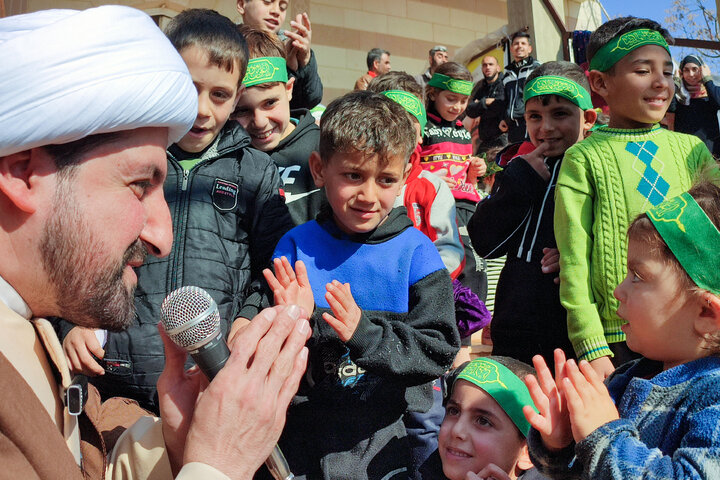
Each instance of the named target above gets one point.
<point>475,432</point>
<point>361,190</point>
<point>555,121</point>
<point>639,88</point>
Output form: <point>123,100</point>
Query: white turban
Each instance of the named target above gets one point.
<point>67,74</point>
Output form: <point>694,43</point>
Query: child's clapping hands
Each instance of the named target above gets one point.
<point>572,405</point>
<point>293,287</point>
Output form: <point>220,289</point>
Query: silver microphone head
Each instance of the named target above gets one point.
<point>190,317</point>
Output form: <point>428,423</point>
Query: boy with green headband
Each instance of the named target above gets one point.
<point>659,415</point>
<point>516,219</point>
<point>618,172</point>
<point>288,136</point>
<point>483,434</point>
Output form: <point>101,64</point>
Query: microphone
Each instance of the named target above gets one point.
<point>191,319</point>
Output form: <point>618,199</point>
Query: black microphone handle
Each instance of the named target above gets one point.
<point>210,358</point>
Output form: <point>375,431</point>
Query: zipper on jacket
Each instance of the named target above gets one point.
<point>175,272</point>
<point>186,174</point>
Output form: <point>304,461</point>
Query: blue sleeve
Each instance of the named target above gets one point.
<point>615,451</point>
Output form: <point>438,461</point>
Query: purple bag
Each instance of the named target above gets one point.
<point>470,312</point>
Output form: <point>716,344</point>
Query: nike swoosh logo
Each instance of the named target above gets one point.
<point>293,197</point>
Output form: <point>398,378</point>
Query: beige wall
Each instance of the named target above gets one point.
<point>344,30</point>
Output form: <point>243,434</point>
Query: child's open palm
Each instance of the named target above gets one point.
<point>553,421</point>
<point>346,311</point>
<point>290,287</point>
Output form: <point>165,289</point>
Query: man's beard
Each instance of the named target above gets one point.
<point>88,285</point>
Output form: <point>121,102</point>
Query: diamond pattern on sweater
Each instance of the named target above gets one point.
<point>652,185</point>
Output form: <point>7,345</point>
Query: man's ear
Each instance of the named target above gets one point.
<point>707,321</point>
<point>523,463</point>
<point>241,7</point>
<point>376,65</point>
<point>598,82</point>
<point>289,87</point>
<point>316,168</point>
<point>21,175</point>
<point>529,49</point>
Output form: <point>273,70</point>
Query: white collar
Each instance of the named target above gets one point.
<point>10,297</point>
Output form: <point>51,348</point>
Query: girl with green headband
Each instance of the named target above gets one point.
<point>615,174</point>
<point>447,152</point>
<point>658,416</point>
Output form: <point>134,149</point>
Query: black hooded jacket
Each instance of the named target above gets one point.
<point>516,220</point>
<point>291,156</point>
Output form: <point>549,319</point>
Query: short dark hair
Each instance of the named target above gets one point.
<point>367,122</point>
<point>70,154</point>
<point>452,70</point>
<point>560,68</point>
<point>214,33</point>
<point>616,27</point>
<point>395,80</point>
<point>519,35</point>
<point>260,43</point>
<point>373,55</point>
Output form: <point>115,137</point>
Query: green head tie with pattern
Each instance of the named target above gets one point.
<point>692,238</point>
<point>503,386</point>
<point>409,102</point>
<point>443,82</point>
<point>610,53</point>
<point>560,86</point>
<point>265,70</point>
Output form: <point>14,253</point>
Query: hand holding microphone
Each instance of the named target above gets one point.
<point>239,417</point>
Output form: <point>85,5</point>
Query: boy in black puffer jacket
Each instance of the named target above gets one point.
<point>227,213</point>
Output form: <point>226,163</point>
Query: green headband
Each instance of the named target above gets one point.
<point>443,82</point>
<point>610,53</point>
<point>502,385</point>
<point>265,70</point>
<point>409,102</point>
<point>561,86</point>
<point>691,237</point>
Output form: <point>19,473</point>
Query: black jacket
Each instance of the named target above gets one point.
<point>227,215</point>
<point>490,115</point>
<point>514,83</point>
<point>308,88</point>
<point>516,220</point>
<point>291,156</point>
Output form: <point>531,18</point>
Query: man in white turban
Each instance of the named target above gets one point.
<point>88,103</point>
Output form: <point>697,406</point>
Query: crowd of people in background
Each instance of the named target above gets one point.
<point>348,250</point>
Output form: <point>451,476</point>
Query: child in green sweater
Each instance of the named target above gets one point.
<point>617,173</point>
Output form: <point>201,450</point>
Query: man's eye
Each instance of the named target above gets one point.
<point>139,188</point>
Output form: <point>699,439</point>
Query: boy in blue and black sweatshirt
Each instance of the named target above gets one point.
<point>374,349</point>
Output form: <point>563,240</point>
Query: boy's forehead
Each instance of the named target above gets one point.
<point>368,160</point>
<point>646,54</point>
<point>470,396</point>
<point>549,102</point>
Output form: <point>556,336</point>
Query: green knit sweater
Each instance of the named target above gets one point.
<point>606,181</point>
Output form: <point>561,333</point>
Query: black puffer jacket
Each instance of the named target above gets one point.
<point>227,215</point>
